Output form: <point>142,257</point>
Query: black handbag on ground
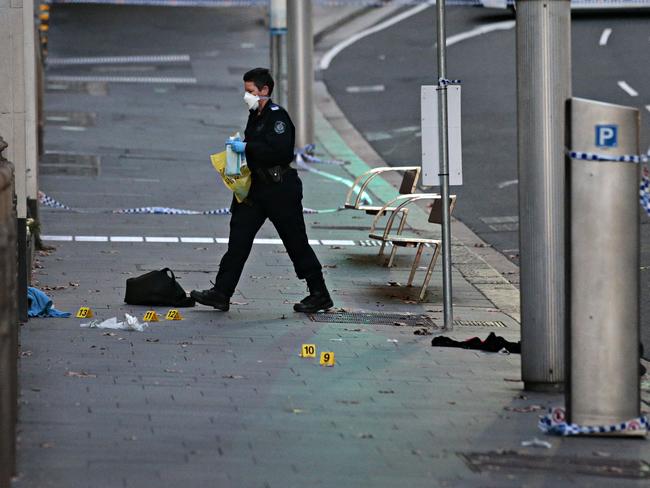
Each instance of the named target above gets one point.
<point>156,288</point>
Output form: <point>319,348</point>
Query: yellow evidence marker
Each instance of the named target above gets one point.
<point>327,359</point>
<point>84,313</point>
<point>308,351</point>
<point>173,314</point>
<point>151,316</point>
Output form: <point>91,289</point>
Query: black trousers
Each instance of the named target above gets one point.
<point>282,204</point>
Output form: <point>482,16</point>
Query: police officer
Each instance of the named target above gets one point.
<point>275,193</point>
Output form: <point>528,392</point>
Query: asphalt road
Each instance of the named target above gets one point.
<point>401,58</point>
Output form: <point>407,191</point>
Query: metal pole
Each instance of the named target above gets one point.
<point>300,69</point>
<point>443,137</point>
<point>543,87</point>
<point>278,31</point>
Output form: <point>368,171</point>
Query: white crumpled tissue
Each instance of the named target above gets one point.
<point>130,323</point>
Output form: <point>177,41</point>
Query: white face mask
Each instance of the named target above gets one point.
<point>252,101</point>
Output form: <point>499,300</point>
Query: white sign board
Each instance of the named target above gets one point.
<point>430,155</point>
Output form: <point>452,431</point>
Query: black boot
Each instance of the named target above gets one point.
<point>212,297</point>
<point>318,298</point>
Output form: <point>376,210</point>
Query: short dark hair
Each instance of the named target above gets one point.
<point>261,77</point>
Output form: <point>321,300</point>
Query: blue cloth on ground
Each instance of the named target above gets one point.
<point>40,305</point>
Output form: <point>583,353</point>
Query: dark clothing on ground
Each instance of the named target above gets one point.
<point>493,343</point>
<point>270,139</point>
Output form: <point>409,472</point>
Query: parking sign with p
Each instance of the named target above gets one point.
<point>606,135</point>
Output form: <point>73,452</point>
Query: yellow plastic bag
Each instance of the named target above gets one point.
<point>239,185</point>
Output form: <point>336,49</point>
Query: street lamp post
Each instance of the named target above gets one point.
<point>301,69</point>
<point>443,138</point>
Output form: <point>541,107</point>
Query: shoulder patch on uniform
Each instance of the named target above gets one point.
<point>275,107</point>
<point>279,127</point>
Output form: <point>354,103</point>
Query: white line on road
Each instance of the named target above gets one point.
<point>365,89</point>
<point>72,128</point>
<point>507,183</point>
<point>121,79</point>
<point>478,31</point>
<point>126,239</point>
<point>162,59</point>
<point>190,240</point>
<point>161,239</point>
<point>91,238</point>
<point>628,89</point>
<point>604,37</point>
<point>57,238</point>
<point>329,55</point>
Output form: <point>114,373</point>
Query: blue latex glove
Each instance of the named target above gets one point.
<point>238,146</point>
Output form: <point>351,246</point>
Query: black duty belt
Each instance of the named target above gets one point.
<point>273,174</point>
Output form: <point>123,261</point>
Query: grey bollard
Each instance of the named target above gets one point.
<point>603,266</point>
<point>8,322</point>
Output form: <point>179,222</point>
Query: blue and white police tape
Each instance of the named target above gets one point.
<point>52,203</point>
<point>43,199</point>
<point>446,82</point>
<point>626,158</point>
<point>306,155</point>
<point>554,422</point>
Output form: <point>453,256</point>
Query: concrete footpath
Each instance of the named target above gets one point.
<point>223,399</point>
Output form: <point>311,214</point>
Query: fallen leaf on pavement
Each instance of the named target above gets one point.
<point>150,339</point>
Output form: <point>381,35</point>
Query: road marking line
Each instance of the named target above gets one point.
<point>72,128</point>
<point>192,240</point>
<point>604,37</point>
<point>377,136</point>
<point>479,31</point>
<point>91,238</point>
<point>121,79</point>
<point>126,239</point>
<point>329,55</point>
<point>365,89</point>
<point>485,29</point>
<point>507,183</point>
<point>197,240</point>
<point>335,242</point>
<point>628,89</point>
<point>161,59</point>
<point>56,238</point>
<point>267,241</point>
<point>161,239</point>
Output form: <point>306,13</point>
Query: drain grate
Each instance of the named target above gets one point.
<point>502,461</point>
<point>373,318</point>
<point>480,323</point>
